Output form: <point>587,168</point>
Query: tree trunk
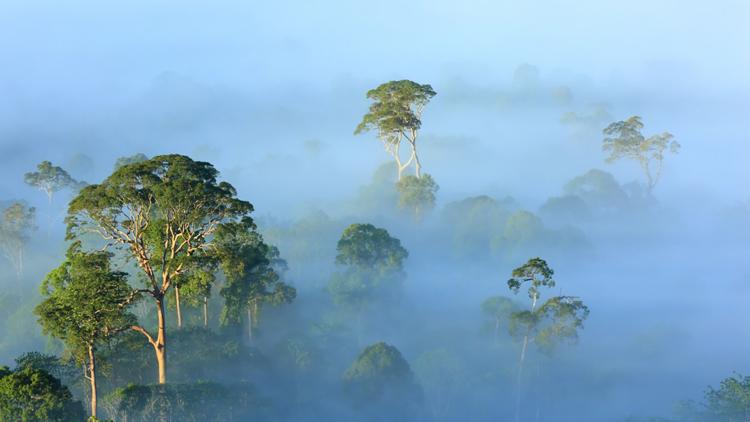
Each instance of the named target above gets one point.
<point>92,379</point>
<point>177,306</point>
<point>160,346</point>
<point>205,311</point>
<point>417,164</point>
<point>521,361</point>
<point>518,379</point>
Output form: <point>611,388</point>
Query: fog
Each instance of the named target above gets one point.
<point>270,94</point>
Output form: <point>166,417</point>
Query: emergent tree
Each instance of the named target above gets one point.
<point>396,114</point>
<point>624,140</point>
<point>162,213</point>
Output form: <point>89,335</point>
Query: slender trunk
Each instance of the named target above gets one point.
<point>160,346</point>
<point>520,373</point>
<point>177,306</point>
<point>417,164</point>
<point>205,311</point>
<point>522,360</point>
<point>92,379</point>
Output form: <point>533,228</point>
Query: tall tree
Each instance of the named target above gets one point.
<point>417,194</point>
<point>252,270</point>
<point>50,179</point>
<point>396,113</point>
<point>84,306</point>
<point>372,268</point>
<point>555,320</point>
<point>624,140</point>
<point>162,213</point>
<point>15,227</point>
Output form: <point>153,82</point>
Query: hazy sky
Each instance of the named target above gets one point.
<point>249,77</point>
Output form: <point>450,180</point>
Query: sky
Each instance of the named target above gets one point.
<point>264,79</point>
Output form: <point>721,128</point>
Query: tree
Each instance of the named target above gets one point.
<point>162,213</point>
<point>17,222</point>
<point>381,374</point>
<point>598,189</point>
<point>366,247</point>
<point>50,179</point>
<point>417,194</point>
<point>132,159</point>
<point>33,395</point>
<point>500,309</point>
<point>396,114</point>
<point>558,319</point>
<point>473,221</point>
<point>84,306</point>
<point>731,401</point>
<point>372,263</point>
<point>624,140</point>
<point>252,269</point>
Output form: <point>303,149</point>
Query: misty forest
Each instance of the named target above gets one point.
<point>292,211</point>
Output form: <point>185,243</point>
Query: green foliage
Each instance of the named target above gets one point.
<point>624,140</point>
<point>372,264</point>
<point>731,401</point>
<point>597,188</point>
<point>62,369</point>
<point>535,272</point>
<point>396,113</point>
<point>30,394</point>
<point>162,213</point>
<point>556,320</point>
<point>197,402</point>
<point>132,159</point>
<point>50,179</point>
<point>472,222</point>
<point>380,371</point>
<point>417,194</point>
<point>18,221</point>
<point>568,208</point>
<point>251,269</point>
<point>523,231</point>
<point>366,247</point>
<point>85,301</point>
<point>396,107</point>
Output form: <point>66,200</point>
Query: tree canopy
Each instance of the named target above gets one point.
<point>50,178</point>
<point>18,221</point>
<point>161,213</point>
<point>395,113</point>
<point>417,194</point>
<point>623,139</point>
<point>33,395</point>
